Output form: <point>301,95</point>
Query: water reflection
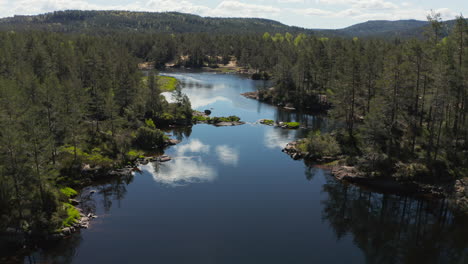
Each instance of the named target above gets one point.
<point>305,119</point>
<point>256,209</point>
<point>194,146</point>
<point>198,100</point>
<point>278,138</point>
<point>227,155</point>
<point>97,199</point>
<point>188,165</point>
<point>181,171</point>
<point>395,229</point>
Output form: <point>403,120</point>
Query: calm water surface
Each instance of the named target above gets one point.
<point>231,196</point>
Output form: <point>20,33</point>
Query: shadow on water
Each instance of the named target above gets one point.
<point>395,229</point>
<point>100,195</point>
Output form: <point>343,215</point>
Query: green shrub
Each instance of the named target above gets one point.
<point>215,120</point>
<point>234,118</point>
<point>321,145</point>
<point>150,123</point>
<point>292,125</point>
<point>167,116</point>
<point>95,158</point>
<point>134,154</point>
<point>225,119</point>
<point>268,122</point>
<point>198,118</point>
<point>149,138</point>
<point>69,192</point>
<point>72,215</point>
<point>167,83</point>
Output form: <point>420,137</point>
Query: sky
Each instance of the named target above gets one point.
<point>303,13</point>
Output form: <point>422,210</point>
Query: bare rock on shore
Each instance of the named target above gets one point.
<point>345,172</point>
<point>172,142</point>
<point>164,158</point>
<point>235,123</point>
<point>251,95</point>
<point>460,196</point>
<point>292,150</point>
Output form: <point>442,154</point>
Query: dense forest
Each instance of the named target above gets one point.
<point>74,101</point>
<point>111,22</point>
<point>68,101</point>
<point>104,22</point>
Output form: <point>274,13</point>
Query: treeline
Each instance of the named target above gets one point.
<point>70,105</point>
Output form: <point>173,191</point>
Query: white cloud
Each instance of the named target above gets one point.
<point>313,12</point>
<point>310,11</point>
<point>372,10</point>
<point>290,1</point>
<point>362,4</point>
<point>241,9</point>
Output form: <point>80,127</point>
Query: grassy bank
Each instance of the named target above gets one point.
<point>165,83</point>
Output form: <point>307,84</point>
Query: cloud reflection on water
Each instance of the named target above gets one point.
<point>194,146</point>
<point>198,99</point>
<point>227,155</point>
<point>188,166</point>
<point>278,138</point>
<point>181,171</point>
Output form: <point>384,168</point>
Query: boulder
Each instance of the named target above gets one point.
<point>66,231</point>
<point>172,142</point>
<point>74,202</point>
<point>289,106</point>
<point>296,156</point>
<point>207,112</point>
<point>164,158</point>
<point>92,216</point>
<point>222,124</point>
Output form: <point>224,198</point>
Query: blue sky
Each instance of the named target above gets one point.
<point>304,13</point>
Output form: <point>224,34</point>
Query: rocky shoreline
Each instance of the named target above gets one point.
<point>455,191</point>
<point>95,174</point>
<point>256,96</point>
<point>204,118</point>
<point>285,125</point>
<point>266,97</point>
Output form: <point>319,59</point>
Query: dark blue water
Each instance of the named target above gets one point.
<point>231,196</point>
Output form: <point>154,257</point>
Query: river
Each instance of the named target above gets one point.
<point>231,196</point>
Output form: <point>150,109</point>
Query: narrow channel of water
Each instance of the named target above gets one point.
<point>231,196</point>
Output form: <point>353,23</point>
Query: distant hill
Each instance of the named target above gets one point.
<point>387,29</point>
<point>145,22</point>
<point>383,27</point>
<point>103,22</point>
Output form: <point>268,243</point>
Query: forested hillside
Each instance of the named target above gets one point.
<point>98,22</point>
<point>111,22</point>
<point>382,29</point>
